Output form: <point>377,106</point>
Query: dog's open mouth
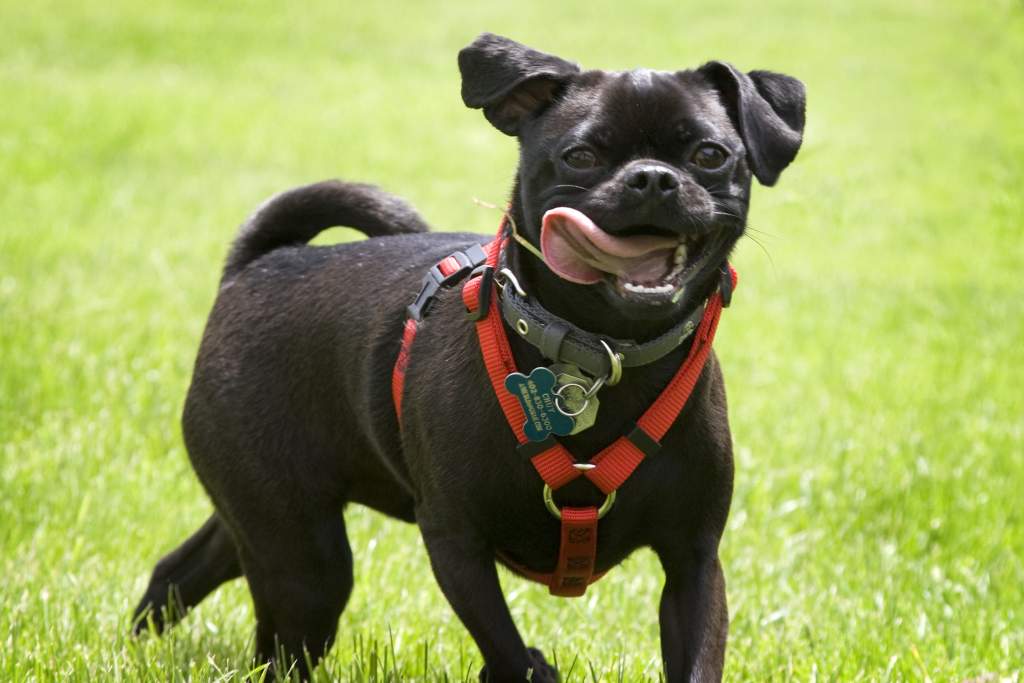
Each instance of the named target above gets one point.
<point>645,267</point>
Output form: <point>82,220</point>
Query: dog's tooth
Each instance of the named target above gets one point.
<point>680,255</point>
<point>644,289</point>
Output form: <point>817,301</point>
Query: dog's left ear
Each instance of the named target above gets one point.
<point>767,109</point>
<point>509,81</point>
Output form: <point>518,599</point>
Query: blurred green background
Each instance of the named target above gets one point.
<point>873,356</point>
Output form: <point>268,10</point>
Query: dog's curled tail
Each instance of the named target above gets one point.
<point>298,215</point>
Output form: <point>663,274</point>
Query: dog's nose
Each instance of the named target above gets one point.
<point>651,180</point>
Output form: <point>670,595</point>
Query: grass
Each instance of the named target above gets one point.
<point>873,357</point>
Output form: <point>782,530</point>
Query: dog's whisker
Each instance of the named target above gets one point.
<point>763,248</point>
<point>728,215</point>
<point>738,220</point>
<point>564,189</point>
<point>763,233</point>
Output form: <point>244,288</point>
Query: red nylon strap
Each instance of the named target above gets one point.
<point>576,554</point>
<point>448,265</point>
<point>544,578</point>
<point>555,464</point>
<point>494,346</point>
<point>398,373</point>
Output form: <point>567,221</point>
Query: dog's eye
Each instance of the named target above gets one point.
<point>580,158</point>
<point>709,157</point>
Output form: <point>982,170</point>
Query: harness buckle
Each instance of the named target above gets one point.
<point>428,290</point>
<point>725,285</point>
<point>436,278</point>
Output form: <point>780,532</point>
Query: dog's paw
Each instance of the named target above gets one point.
<point>539,672</point>
<point>542,671</point>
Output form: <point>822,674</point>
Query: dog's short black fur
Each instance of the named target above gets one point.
<point>289,416</point>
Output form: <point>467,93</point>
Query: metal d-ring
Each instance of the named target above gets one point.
<point>549,502</point>
<point>558,396</point>
<point>616,368</point>
<point>509,276</point>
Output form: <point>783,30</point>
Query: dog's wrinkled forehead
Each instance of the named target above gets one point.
<point>517,88</point>
<point>639,111</point>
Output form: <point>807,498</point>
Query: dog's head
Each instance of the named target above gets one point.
<point>634,183</point>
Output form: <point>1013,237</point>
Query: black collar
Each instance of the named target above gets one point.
<point>560,341</point>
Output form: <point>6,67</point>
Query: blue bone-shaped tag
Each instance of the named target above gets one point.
<point>536,394</point>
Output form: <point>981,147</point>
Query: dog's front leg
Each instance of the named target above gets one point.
<point>693,615</point>
<point>464,567</point>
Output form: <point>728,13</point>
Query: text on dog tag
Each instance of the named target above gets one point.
<point>536,394</point>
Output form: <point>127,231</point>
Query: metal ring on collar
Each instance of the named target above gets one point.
<point>598,383</point>
<point>549,502</point>
<point>616,364</point>
<point>558,396</point>
<point>505,276</point>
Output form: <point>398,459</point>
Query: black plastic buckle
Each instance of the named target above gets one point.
<point>434,280</point>
<point>431,283</point>
<point>725,286</point>
<point>483,295</point>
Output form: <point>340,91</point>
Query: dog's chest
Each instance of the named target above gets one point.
<point>464,459</point>
<point>658,501</point>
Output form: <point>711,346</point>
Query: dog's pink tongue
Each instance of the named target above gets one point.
<point>579,251</point>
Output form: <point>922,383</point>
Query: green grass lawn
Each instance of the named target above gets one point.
<point>874,355</point>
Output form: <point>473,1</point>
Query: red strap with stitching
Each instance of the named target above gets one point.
<point>576,553</point>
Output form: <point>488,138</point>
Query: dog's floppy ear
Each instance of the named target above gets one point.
<point>767,109</point>
<point>509,81</point>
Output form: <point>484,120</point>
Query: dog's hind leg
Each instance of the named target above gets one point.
<point>299,568</point>
<point>187,575</point>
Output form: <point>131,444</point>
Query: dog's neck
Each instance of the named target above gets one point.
<point>584,305</point>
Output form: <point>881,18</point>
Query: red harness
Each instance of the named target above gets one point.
<point>555,465</point>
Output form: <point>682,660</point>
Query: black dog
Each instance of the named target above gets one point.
<point>290,414</point>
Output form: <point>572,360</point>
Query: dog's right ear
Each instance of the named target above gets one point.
<point>510,81</point>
